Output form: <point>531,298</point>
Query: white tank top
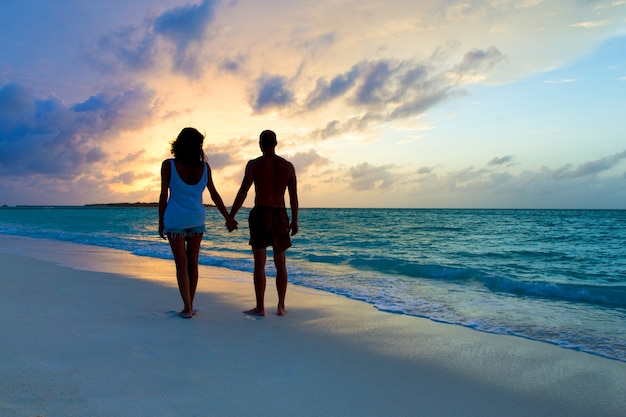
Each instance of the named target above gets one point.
<point>184,208</point>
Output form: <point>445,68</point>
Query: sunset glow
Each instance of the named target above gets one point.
<point>515,103</point>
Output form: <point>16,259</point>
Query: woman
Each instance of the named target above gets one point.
<point>181,211</point>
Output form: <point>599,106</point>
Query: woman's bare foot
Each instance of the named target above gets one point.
<point>281,311</point>
<point>255,312</point>
<point>186,314</point>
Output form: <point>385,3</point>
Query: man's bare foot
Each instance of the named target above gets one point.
<point>186,314</point>
<point>255,312</point>
<point>280,311</point>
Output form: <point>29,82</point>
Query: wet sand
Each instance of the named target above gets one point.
<point>90,331</point>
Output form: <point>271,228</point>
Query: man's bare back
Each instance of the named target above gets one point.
<point>271,175</point>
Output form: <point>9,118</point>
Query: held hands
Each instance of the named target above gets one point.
<point>231,224</point>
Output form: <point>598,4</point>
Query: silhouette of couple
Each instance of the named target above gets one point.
<point>182,213</point>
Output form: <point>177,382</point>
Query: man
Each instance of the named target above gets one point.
<point>268,220</point>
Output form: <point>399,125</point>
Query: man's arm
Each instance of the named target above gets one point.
<point>292,187</point>
<point>248,179</point>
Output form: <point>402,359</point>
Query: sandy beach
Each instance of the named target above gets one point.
<point>89,331</point>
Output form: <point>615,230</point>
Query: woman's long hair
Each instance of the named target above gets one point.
<point>187,148</point>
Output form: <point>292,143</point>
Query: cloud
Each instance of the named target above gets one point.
<point>561,81</point>
<point>132,157</point>
<point>504,160</point>
<point>366,177</point>
<point>332,128</point>
<point>124,178</point>
<point>219,160</point>
<point>45,136</point>
<point>587,169</point>
<point>185,24</point>
<point>591,24</point>
<point>303,160</point>
<point>127,48</point>
<point>567,186</point>
<point>185,27</point>
<point>271,91</point>
<point>317,43</point>
<point>479,59</point>
<point>139,48</point>
<point>373,91</point>
<point>610,4</point>
<point>375,87</point>
<point>120,109</point>
<point>567,172</point>
<point>326,91</point>
<point>351,124</point>
<point>419,105</point>
<point>233,65</point>
<point>371,84</point>
<point>387,89</point>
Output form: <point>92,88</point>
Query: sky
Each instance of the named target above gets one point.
<point>395,103</point>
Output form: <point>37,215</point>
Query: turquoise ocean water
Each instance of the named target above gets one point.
<point>557,276</point>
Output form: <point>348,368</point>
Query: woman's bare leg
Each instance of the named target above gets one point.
<point>193,252</point>
<point>182,274</point>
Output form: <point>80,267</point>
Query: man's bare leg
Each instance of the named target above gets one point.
<point>280,260</point>
<point>259,282</point>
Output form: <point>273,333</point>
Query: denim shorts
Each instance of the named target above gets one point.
<point>188,232</point>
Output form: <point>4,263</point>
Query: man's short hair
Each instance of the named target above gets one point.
<point>267,139</point>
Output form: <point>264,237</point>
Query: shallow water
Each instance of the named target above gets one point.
<point>557,276</point>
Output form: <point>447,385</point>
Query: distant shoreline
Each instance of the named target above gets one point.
<point>154,204</point>
<point>118,205</point>
<point>98,205</point>
<point>123,205</point>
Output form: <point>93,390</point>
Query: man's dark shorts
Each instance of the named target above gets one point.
<point>269,226</point>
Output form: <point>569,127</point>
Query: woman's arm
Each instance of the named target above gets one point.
<point>215,196</point>
<point>166,172</point>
